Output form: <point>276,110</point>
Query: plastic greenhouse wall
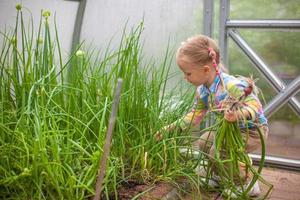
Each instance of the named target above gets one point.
<point>104,21</point>
<point>65,12</point>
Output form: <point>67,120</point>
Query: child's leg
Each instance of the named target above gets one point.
<point>253,138</point>
<point>204,144</point>
<point>205,141</point>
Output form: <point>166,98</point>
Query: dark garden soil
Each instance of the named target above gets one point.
<point>147,192</point>
<point>158,191</point>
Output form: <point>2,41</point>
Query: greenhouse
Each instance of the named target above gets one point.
<point>150,100</point>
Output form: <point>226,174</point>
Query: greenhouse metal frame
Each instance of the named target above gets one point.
<point>228,29</point>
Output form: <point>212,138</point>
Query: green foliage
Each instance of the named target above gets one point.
<point>54,114</point>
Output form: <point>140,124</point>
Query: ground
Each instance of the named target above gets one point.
<point>286,187</point>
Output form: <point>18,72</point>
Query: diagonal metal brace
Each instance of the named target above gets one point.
<point>276,82</point>
<point>281,98</point>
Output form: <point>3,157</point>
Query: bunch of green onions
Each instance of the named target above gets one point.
<point>230,153</point>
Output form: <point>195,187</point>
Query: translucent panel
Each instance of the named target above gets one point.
<point>279,51</point>
<point>284,136</point>
<point>65,12</point>
<point>265,9</point>
<point>239,64</point>
<point>165,20</point>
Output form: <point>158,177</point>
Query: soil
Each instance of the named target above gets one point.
<point>158,191</point>
<point>132,189</point>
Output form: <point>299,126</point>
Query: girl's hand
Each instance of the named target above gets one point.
<point>231,116</point>
<point>159,134</point>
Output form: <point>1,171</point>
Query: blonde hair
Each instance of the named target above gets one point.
<point>200,49</point>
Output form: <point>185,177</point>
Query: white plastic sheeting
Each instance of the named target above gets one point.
<point>65,12</point>
<point>163,19</point>
<point>105,19</point>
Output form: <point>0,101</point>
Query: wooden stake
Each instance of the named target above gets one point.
<point>106,149</point>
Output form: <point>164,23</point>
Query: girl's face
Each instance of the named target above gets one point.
<point>193,73</point>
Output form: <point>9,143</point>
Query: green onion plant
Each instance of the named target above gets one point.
<point>54,113</point>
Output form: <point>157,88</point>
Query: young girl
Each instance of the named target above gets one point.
<point>199,60</point>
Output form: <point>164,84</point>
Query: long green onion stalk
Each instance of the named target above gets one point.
<point>54,114</point>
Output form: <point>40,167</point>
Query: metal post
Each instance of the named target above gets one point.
<point>78,24</point>
<point>224,14</point>
<point>208,17</point>
<point>282,97</point>
<point>277,84</point>
<point>77,29</point>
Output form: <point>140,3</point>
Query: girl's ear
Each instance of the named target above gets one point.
<point>206,68</point>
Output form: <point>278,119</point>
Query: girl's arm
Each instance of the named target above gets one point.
<point>251,106</point>
<point>189,120</point>
<point>192,119</point>
<point>240,114</point>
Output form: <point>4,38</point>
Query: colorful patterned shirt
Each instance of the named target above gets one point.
<point>211,98</point>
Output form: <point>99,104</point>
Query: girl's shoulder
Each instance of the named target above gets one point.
<point>235,85</point>
<point>202,91</point>
<point>234,81</point>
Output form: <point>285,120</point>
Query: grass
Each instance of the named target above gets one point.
<point>54,115</point>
